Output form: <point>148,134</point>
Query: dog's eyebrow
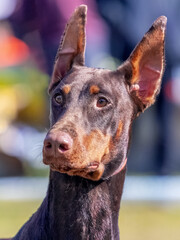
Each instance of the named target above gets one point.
<point>94,89</point>
<point>66,89</point>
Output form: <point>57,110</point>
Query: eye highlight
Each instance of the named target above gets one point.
<point>58,98</point>
<point>102,102</point>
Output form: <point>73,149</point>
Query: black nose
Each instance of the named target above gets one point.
<point>57,143</point>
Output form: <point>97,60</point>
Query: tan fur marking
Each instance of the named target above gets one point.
<point>96,143</point>
<point>66,89</point>
<point>94,89</point>
<point>119,131</point>
<point>112,143</point>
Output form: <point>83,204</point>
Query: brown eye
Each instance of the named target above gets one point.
<point>102,102</point>
<point>58,98</point>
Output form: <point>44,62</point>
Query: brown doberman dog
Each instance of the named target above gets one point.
<point>92,111</point>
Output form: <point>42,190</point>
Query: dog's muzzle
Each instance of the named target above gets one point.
<point>62,153</point>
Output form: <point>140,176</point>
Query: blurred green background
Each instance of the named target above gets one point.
<point>137,221</point>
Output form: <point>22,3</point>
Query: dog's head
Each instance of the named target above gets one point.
<point>92,109</point>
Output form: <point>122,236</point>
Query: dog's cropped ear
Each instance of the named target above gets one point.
<point>72,46</point>
<point>145,66</point>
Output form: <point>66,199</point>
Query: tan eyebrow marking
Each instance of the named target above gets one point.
<point>66,89</point>
<point>94,89</point>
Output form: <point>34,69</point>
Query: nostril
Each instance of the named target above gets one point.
<point>63,147</point>
<point>48,148</point>
<point>48,145</point>
<point>64,141</point>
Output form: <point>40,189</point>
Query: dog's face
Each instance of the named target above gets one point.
<point>95,110</point>
<point>92,109</point>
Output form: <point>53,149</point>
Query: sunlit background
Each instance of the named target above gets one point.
<point>30,32</point>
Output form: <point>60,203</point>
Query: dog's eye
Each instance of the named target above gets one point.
<point>58,99</point>
<point>102,102</point>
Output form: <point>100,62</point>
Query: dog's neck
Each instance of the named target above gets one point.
<point>76,208</point>
<point>80,208</point>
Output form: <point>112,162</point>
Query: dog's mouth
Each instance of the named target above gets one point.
<point>82,156</point>
<point>92,171</point>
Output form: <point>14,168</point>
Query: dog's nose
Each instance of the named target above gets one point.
<point>57,143</point>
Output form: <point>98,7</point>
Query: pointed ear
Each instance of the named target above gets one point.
<point>72,46</point>
<point>146,65</point>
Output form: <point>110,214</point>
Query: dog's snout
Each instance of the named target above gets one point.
<point>57,143</point>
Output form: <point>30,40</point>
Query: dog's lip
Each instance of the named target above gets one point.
<point>86,172</point>
<point>68,168</point>
<point>93,166</point>
<point>93,171</point>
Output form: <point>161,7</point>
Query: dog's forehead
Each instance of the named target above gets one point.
<point>85,76</point>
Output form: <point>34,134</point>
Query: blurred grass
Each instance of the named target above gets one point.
<point>14,214</point>
<point>137,221</point>
<point>149,222</point>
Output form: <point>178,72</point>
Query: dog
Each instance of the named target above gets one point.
<point>91,116</point>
